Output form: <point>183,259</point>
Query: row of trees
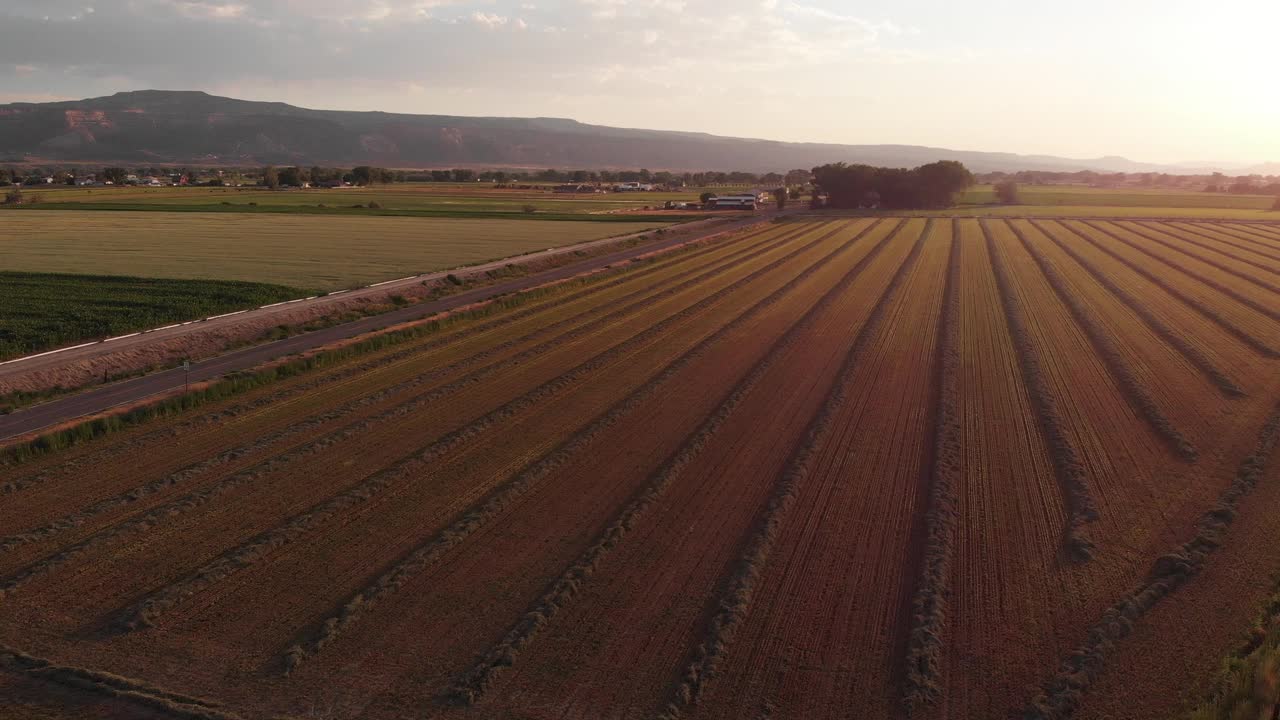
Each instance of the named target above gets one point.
<point>936,185</point>
<point>365,175</point>
<point>273,176</point>
<point>113,175</point>
<point>1245,186</point>
<point>588,177</point>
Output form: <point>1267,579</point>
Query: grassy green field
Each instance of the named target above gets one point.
<point>314,253</point>
<point>39,311</point>
<point>1079,195</point>
<point>427,199</point>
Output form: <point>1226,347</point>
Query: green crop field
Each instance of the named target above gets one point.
<point>315,253</point>
<point>1079,195</point>
<point>39,311</point>
<point>400,199</point>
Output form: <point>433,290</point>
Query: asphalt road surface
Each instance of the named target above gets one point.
<point>56,412</point>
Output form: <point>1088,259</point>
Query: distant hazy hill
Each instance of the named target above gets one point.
<point>196,128</point>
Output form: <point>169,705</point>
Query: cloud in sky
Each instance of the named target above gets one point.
<point>914,71</point>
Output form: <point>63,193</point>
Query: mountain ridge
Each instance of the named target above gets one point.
<point>194,127</point>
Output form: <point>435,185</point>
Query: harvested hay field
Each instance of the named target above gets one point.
<point>924,468</point>
<point>316,253</point>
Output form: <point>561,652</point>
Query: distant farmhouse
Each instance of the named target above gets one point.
<point>633,187</point>
<point>741,201</point>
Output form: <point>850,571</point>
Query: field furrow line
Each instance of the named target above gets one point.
<point>1209,313</point>
<point>1066,460</point>
<point>411,354</point>
<point>111,685</point>
<point>1137,394</point>
<point>1210,244</point>
<point>1262,238</point>
<point>742,584</point>
<point>193,470</point>
<point>429,552</point>
<point>1061,695</point>
<point>476,427</point>
<point>249,553</point>
<point>472,684</point>
<point>925,675</point>
<point>1175,340</point>
<point>1253,254</point>
<point>1226,269</point>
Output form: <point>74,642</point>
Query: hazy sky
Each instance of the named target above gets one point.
<point>1165,81</point>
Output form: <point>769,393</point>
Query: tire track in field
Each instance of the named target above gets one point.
<point>194,470</point>
<point>1067,466</point>
<point>151,608</point>
<point>1268,311</point>
<point>595,284</point>
<point>925,674</point>
<point>111,685</point>
<point>420,458</point>
<point>741,585</point>
<point>1062,694</point>
<point>1230,240</point>
<point>1178,342</point>
<point>1134,391</point>
<point>1213,245</point>
<point>430,552</point>
<point>1207,312</point>
<point>471,685</point>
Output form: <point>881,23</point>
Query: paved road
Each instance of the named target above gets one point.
<point>56,412</point>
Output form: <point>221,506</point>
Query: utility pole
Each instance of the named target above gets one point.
<point>186,367</point>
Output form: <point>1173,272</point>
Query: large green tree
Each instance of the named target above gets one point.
<point>1007,192</point>
<point>113,175</point>
<point>936,185</point>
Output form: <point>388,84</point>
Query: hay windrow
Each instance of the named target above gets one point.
<point>426,554</point>
<point>292,529</point>
<point>1067,466</point>
<point>742,585</point>
<point>1062,694</point>
<point>1215,242</point>
<point>1209,313</point>
<point>1272,312</point>
<point>110,685</point>
<point>1176,340</point>
<point>1103,344</point>
<point>925,672</point>
<point>146,612</point>
<point>474,683</point>
<point>400,410</point>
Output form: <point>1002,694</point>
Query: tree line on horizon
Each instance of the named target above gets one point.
<point>298,176</point>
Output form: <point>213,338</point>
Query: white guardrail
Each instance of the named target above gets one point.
<point>25,358</point>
